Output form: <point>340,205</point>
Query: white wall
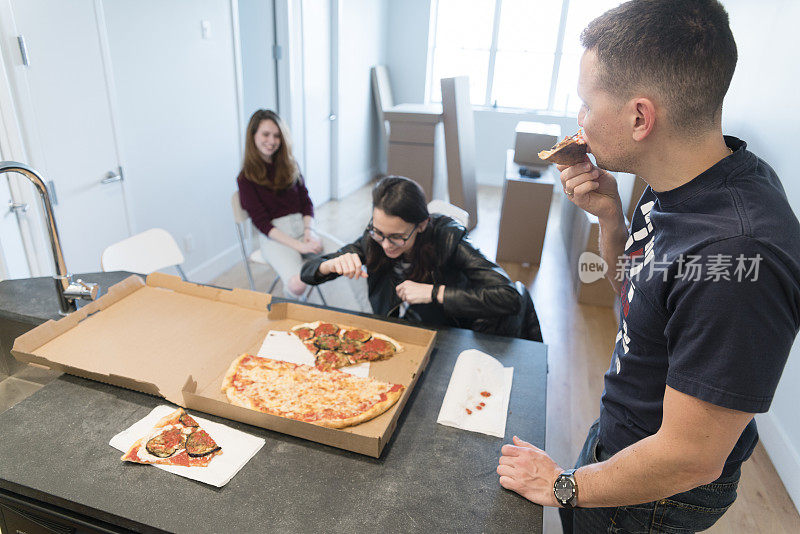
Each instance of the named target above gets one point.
<point>761,109</point>
<point>176,95</point>
<point>361,45</point>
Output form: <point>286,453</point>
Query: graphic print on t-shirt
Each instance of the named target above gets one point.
<point>638,254</point>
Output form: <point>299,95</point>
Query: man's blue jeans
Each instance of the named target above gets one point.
<point>691,511</point>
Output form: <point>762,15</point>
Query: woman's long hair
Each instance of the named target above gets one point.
<point>255,168</point>
<point>404,198</point>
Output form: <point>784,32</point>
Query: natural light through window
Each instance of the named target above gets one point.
<point>517,53</point>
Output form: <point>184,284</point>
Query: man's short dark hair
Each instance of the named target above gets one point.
<point>682,49</point>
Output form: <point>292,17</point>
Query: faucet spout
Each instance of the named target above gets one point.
<point>68,291</point>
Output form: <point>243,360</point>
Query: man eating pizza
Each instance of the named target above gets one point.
<point>696,355</point>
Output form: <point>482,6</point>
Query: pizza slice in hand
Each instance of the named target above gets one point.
<point>570,151</point>
<point>176,439</point>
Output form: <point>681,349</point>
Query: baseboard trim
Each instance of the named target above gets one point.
<point>215,266</point>
<point>782,453</point>
<point>489,178</point>
<point>356,182</point>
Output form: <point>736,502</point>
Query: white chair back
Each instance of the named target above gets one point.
<point>445,208</point>
<point>239,215</point>
<point>146,252</point>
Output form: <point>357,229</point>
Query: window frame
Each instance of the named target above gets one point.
<point>487,103</point>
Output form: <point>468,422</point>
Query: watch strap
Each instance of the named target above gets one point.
<point>435,293</point>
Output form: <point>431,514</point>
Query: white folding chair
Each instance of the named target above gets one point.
<point>445,208</point>
<point>146,252</point>
<point>247,233</point>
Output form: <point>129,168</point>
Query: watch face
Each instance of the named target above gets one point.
<point>564,489</point>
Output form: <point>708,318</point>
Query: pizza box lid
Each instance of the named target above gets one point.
<point>175,339</point>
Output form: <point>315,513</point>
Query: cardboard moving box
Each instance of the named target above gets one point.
<point>175,339</point>
<point>532,137</point>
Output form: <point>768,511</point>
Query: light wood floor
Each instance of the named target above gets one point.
<point>580,339</point>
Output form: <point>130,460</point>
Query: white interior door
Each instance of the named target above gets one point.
<point>259,67</point>
<point>12,252</point>
<point>316,24</point>
<point>66,114</point>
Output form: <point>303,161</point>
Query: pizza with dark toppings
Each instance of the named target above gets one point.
<point>350,345</point>
<point>328,342</point>
<point>381,346</point>
<point>176,439</point>
<point>356,334</point>
<point>306,393</point>
<point>304,333</point>
<point>329,359</point>
<point>326,329</point>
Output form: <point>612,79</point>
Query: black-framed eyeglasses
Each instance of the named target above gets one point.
<point>397,240</point>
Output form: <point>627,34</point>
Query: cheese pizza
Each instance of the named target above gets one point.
<point>335,346</point>
<point>306,393</point>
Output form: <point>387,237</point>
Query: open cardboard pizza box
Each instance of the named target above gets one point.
<point>175,339</point>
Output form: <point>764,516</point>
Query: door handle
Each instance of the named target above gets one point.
<point>332,117</point>
<point>112,177</point>
<point>17,207</point>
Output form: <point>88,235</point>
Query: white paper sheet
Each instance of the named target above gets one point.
<point>237,447</point>
<point>288,347</point>
<point>473,373</point>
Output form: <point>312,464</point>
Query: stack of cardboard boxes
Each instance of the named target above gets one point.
<point>526,196</point>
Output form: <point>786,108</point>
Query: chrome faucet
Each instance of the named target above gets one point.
<point>69,292</point>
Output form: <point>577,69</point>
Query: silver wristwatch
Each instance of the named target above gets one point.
<point>566,489</point>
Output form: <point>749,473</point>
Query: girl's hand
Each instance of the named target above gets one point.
<point>414,292</point>
<point>348,265</point>
<point>308,237</point>
<point>304,247</point>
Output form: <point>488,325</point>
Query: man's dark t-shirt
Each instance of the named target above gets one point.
<point>710,300</point>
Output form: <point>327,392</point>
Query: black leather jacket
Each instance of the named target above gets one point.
<point>478,294</point>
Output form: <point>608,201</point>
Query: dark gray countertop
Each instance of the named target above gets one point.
<point>28,302</point>
<point>34,300</point>
<point>54,449</point>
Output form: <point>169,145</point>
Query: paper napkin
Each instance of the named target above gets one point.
<point>237,447</point>
<point>475,375</point>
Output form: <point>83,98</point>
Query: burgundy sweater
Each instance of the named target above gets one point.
<point>263,205</point>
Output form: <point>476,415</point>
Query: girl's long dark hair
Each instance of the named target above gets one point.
<point>255,168</point>
<point>400,197</point>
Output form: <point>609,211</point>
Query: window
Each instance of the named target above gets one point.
<point>517,53</point>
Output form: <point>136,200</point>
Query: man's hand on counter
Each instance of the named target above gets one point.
<point>529,471</point>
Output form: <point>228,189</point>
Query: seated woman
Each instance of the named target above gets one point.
<point>272,192</point>
<point>423,268</point>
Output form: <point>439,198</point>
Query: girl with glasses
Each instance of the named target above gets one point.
<point>422,267</point>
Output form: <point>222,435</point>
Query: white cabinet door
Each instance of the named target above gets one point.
<point>12,253</point>
<point>259,68</point>
<point>316,21</point>
<point>66,113</point>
